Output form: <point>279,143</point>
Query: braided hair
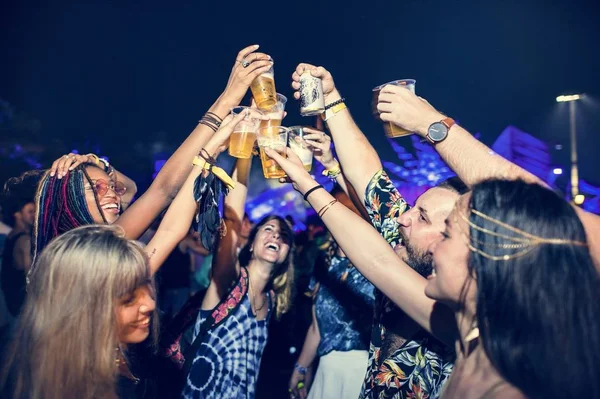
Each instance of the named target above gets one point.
<point>61,206</point>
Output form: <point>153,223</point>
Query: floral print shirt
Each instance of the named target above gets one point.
<point>420,366</point>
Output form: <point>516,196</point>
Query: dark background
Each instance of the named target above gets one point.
<point>131,79</point>
<point>122,77</point>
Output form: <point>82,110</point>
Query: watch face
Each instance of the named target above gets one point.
<point>437,132</point>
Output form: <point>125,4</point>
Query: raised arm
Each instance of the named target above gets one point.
<point>469,158</point>
<point>175,171</point>
<point>373,256</point>
<point>178,218</point>
<point>225,267</point>
<point>350,142</point>
<point>320,143</point>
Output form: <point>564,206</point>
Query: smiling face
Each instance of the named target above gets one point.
<point>421,225</point>
<point>270,245</point>
<point>134,314</point>
<point>450,260</point>
<point>110,202</point>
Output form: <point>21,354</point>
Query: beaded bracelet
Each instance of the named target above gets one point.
<point>333,104</point>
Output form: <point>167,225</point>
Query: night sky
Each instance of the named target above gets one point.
<point>117,73</point>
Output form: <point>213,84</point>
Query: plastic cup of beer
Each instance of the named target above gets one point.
<point>275,113</point>
<point>312,101</point>
<point>243,137</point>
<point>275,138</point>
<point>299,146</point>
<point>391,130</point>
<point>263,90</point>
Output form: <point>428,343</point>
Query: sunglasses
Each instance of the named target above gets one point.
<point>101,187</point>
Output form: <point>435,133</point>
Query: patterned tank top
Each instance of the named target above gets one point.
<point>228,360</point>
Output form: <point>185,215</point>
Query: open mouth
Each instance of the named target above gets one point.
<point>111,207</point>
<point>272,246</point>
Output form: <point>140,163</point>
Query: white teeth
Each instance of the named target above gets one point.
<point>274,247</point>
<point>110,206</point>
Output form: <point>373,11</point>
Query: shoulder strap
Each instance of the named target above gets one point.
<point>216,317</point>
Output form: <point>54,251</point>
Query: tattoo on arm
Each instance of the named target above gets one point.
<point>151,254</point>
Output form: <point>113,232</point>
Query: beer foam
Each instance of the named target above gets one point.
<point>268,74</point>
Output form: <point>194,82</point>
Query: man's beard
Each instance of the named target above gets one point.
<point>421,262</point>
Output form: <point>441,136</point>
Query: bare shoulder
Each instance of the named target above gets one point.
<point>23,242</point>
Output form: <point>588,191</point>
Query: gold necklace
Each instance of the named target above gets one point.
<point>253,301</point>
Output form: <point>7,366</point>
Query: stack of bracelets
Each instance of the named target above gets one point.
<point>211,120</point>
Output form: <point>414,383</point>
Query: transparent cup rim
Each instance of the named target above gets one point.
<point>241,108</point>
<point>405,82</point>
<point>280,129</point>
<point>281,98</point>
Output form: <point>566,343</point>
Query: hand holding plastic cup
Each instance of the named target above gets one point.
<point>300,147</point>
<point>243,136</point>
<point>263,90</point>
<point>274,138</point>
<point>391,130</point>
<point>275,112</point>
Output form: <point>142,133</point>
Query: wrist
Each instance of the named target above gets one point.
<point>305,184</point>
<point>328,165</point>
<point>334,95</point>
<point>222,107</point>
<point>432,117</point>
<point>300,369</point>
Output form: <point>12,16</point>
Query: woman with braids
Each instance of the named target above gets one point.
<point>245,291</point>
<point>514,269</point>
<point>77,190</point>
<point>94,281</point>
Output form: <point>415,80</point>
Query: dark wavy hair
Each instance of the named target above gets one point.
<point>538,314</point>
<point>282,276</point>
<point>18,192</point>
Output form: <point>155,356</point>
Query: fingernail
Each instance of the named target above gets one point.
<point>51,174</point>
<point>256,46</point>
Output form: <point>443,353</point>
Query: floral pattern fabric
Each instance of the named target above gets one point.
<point>419,367</point>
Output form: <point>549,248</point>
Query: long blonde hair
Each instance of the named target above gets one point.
<point>66,339</point>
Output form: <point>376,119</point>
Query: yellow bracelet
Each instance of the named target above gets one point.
<point>330,113</point>
<point>333,173</point>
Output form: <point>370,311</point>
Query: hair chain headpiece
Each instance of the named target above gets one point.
<point>526,242</point>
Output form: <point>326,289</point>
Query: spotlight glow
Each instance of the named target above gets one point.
<point>557,171</point>
<point>579,198</point>
<point>570,97</point>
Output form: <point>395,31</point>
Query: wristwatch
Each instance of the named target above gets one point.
<point>438,131</point>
